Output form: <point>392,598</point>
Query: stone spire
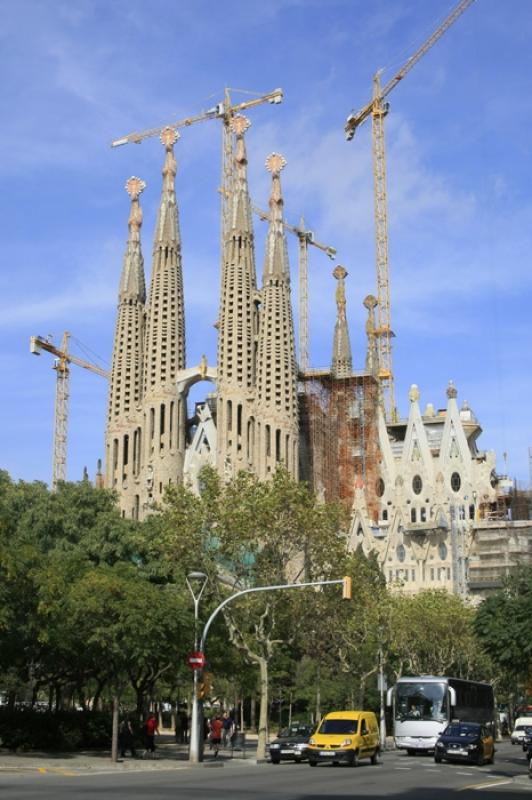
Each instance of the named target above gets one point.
<point>126,373</point>
<point>125,390</point>
<point>164,412</point>
<point>276,357</point>
<point>237,323</point>
<point>165,321</point>
<point>342,362</point>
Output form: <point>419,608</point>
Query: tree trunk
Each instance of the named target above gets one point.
<point>263,710</point>
<point>114,739</point>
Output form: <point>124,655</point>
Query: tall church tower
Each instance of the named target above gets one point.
<point>342,361</point>
<point>237,328</point>
<point>124,440</point>
<point>277,407</point>
<point>164,352</point>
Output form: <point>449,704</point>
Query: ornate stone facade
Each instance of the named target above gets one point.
<point>421,494</point>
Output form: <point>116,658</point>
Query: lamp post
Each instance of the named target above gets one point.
<point>198,581</point>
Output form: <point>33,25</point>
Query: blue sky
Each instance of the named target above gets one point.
<point>78,74</point>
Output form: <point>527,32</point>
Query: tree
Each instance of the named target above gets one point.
<point>257,534</point>
<point>502,624</point>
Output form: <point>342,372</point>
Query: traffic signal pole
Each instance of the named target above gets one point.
<point>196,734</point>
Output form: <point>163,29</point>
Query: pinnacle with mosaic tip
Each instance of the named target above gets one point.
<point>169,137</point>
<point>135,186</point>
<point>275,163</point>
<point>239,124</point>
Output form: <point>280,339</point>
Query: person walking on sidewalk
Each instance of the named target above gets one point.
<point>217,727</point>
<point>228,728</point>
<point>126,738</point>
<point>151,728</point>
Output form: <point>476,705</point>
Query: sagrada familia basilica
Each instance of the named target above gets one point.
<point>420,492</point>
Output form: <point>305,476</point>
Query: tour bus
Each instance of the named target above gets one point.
<point>425,704</point>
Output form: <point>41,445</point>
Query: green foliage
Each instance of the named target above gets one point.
<point>502,625</point>
<point>27,729</point>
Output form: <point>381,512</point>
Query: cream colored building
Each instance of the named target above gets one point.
<point>422,496</point>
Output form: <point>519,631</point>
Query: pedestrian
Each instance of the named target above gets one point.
<point>228,728</point>
<point>184,726</point>
<point>216,733</point>
<point>126,738</point>
<point>150,729</point>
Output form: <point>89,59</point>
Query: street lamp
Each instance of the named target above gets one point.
<point>197,581</point>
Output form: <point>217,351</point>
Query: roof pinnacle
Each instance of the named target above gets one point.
<point>134,187</point>
<point>342,362</point>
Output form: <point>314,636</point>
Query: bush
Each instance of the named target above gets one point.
<point>28,729</point>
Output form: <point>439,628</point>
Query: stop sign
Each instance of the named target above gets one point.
<point>196,660</point>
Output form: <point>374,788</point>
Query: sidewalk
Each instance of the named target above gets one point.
<point>169,755</point>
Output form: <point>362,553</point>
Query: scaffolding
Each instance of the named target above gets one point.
<point>339,437</point>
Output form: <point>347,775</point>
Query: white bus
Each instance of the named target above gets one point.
<point>425,704</point>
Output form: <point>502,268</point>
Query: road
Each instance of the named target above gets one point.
<point>397,776</point>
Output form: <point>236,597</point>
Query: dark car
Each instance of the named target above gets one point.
<point>292,744</point>
<point>526,741</point>
<point>465,741</point>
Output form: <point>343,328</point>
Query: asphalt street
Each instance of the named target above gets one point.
<point>397,776</point>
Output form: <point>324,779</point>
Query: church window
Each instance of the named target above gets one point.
<point>380,487</point>
<point>471,512</point>
<point>277,445</point>
<point>442,550</point>
<point>417,484</point>
<point>125,453</point>
<point>162,419</point>
<point>413,573</point>
<point>229,415</point>
<point>401,553</point>
<point>432,573</point>
<point>268,440</point>
<point>239,419</point>
<point>456,482</point>
<point>423,514</point>
<point>413,515</point>
<point>385,514</point>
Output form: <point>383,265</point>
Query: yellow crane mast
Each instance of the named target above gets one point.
<point>305,238</point>
<point>62,394</point>
<point>225,111</point>
<point>378,109</point>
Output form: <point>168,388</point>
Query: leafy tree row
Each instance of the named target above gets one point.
<point>94,606</point>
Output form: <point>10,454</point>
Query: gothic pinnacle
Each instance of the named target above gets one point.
<point>342,362</point>
<point>134,187</point>
<point>275,163</point>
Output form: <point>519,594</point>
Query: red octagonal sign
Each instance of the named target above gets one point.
<point>196,660</point>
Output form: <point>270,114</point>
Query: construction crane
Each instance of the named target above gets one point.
<point>225,110</point>
<point>62,368</point>
<point>378,109</point>
<point>305,238</point>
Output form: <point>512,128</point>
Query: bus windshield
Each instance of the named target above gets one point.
<point>421,700</point>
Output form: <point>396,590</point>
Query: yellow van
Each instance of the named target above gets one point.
<point>345,737</point>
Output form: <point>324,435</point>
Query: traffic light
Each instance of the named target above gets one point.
<point>204,686</point>
<point>346,588</point>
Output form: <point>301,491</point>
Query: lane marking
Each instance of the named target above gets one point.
<point>484,785</point>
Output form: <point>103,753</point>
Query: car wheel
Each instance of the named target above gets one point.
<point>355,761</point>
<point>410,751</point>
<point>375,757</point>
<point>276,760</point>
<point>437,759</point>
<point>480,760</point>
<point>297,760</point>
<point>312,763</point>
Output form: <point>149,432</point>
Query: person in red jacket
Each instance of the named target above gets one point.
<point>151,728</point>
<point>216,733</point>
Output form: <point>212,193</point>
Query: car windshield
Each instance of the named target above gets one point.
<point>421,700</point>
<point>339,726</point>
<point>300,731</point>
<point>462,730</point>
